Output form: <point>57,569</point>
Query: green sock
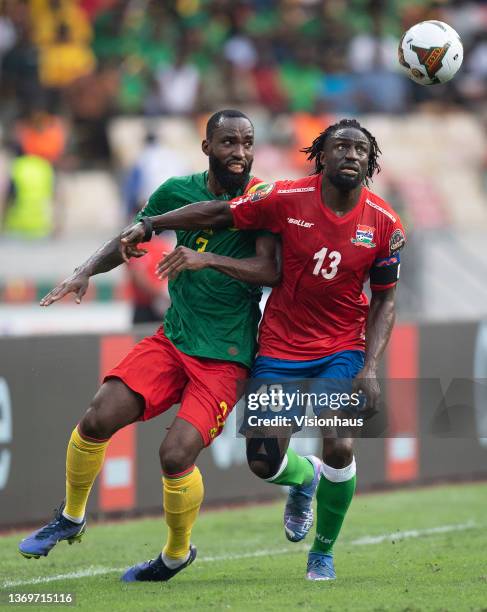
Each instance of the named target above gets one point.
<point>333,500</point>
<point>297,470</point>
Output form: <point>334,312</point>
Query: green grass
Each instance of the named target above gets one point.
<point>436,571</point>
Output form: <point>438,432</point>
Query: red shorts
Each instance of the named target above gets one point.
<point>164,376</point>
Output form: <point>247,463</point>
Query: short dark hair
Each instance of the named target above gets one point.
<point>313,151</point>
<point>215,120</point>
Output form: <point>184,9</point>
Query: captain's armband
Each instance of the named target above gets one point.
<point>385,272</point>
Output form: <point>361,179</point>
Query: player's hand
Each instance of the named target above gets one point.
<point>181,259</point>
<point>366,384</point>
<point>129,239</point>
<point>77,283</point>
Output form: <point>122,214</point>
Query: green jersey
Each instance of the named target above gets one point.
<point>211,315</point>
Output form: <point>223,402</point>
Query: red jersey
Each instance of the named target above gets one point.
<point>320,307</point>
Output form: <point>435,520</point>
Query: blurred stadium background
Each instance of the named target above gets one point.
<point>101,100</point>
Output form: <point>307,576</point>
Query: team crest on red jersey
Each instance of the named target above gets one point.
<point>364,236</point>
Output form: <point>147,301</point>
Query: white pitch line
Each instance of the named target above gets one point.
<point>84,573</point>
<point>257,553</point>
<point>364,541</point>
<point>414,533</point>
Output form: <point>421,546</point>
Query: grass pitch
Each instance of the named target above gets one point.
<point>410,550</point>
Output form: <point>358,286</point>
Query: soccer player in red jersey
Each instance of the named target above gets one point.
<point>317,324</point>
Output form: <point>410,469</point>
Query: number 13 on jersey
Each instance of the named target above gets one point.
<point>329,269</point>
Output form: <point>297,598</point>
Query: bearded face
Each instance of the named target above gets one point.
<point>230,150</point>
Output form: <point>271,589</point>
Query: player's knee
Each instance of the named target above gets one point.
<point>263,456</point>
<point>94,425</point>
<point>98,421</point>
<point>262,469</point>
<point>338,453</point>
<point>113,407</point>
<point>175,459</point>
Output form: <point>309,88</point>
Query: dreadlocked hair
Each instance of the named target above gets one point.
<point>313,152</point>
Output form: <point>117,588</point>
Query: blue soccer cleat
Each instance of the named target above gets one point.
<point>156,570</point>
<point>39,543</point>
<point>298,513</point>
<point>320,567</point>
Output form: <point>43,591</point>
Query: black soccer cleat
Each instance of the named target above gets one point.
<point>156,570</point>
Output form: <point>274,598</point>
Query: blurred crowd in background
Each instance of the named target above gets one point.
<point>84,61</point>
<point>185,56</point>
<point>71,71</point>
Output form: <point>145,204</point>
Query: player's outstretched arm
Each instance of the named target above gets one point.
<point>201,215</point>
<point>263,269</point>
<point>382,314</point>
<point>106,258</point>
<point>212,214</point>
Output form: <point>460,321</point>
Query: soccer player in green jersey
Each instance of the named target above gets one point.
<point>206,344</point>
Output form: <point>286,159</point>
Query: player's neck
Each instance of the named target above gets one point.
<point>214,186</point>
<point>339,202</point>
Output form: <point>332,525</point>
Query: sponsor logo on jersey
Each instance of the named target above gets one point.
<point>259,191</point>
<point>364,235</point>
<point>255,188</point>
<point>387,261</point>
<point>297,190</point>
<point>382,210</point>
<point>299,222</point>
<point>396,241</point>
<point>254,194</point>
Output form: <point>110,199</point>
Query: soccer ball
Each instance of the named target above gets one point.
<point>430,52</point>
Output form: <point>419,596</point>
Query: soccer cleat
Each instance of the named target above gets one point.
<point>39,543</point>
<point>298,513</point>
<point>320,567</point>
<point>156,570</point>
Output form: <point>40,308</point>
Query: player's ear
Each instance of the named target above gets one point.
<point>205,147</point>
<point>322,159</point>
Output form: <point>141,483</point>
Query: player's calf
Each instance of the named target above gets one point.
<point>337,452</point>
<point>298,513</point>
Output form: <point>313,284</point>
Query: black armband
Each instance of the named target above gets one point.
<point>148,229</point>
<point>385,272</point>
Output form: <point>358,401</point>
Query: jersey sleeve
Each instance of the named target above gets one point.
<point>160,202</point>
<point>258,208</point>
<point>384,272</point>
